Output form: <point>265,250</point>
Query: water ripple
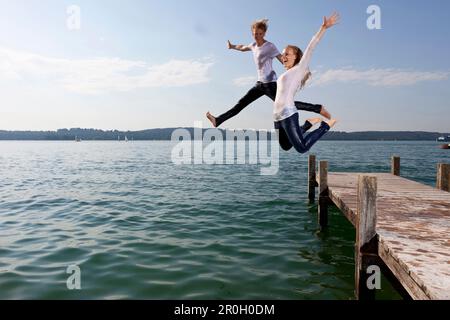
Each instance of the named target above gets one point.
<point>140,227</point>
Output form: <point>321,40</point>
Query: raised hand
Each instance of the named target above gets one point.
<point>330,21</point>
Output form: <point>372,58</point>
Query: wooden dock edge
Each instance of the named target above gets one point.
<point>373,250</point>
<point>400,276</point>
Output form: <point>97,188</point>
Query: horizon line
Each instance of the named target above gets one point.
<point>222,129</point>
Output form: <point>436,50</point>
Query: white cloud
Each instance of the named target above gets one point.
<point>378,77</point>
<point>100,75</point>
<point>244,81</point>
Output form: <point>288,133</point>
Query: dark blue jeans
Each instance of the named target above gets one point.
<point>290,134</point>
<point>262,89</point>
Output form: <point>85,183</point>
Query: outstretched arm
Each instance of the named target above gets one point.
<point>279,57</point>
<point>327,23</point>
<point>238,47</point>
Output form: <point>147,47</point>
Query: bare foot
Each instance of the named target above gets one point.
<point>211,118</point>
<point>324,112</point>
<point>313,121</point>
<point>331,122</point>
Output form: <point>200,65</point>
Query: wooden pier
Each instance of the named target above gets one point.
<point>402,227</point>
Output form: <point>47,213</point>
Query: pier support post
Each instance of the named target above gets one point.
<point>395,166</point>
<point>323,194</point>
<point>312,182</point>
<point>366,249</point>
<point>443,177</point>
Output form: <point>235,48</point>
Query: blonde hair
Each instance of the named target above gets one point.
<point>262,24</point>
<point>299,54</point>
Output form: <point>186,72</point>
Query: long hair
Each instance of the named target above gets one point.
<point>298,57</point>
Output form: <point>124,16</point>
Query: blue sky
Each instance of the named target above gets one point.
<point>149,64</point>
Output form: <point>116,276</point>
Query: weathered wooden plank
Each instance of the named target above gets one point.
<point>344,206</point>
<point>413,223</point>
<point>398,269</point>
<point>366,209</point>
<point>366,250</point>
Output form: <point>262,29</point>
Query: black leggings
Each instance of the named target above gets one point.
<point>260,89</point>
<point>290,134</point>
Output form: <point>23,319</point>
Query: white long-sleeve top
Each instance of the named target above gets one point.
<point>290,82</point>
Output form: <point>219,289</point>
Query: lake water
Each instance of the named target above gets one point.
<point>140,227</point>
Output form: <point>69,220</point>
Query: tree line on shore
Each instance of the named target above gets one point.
<point>166,134</point>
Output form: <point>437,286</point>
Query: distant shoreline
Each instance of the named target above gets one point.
<point>166,133</point>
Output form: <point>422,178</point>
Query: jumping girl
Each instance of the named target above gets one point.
<point>290,134</point>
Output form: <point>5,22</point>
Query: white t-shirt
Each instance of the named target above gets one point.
<point>289,83</point>
<point>263,57</point>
